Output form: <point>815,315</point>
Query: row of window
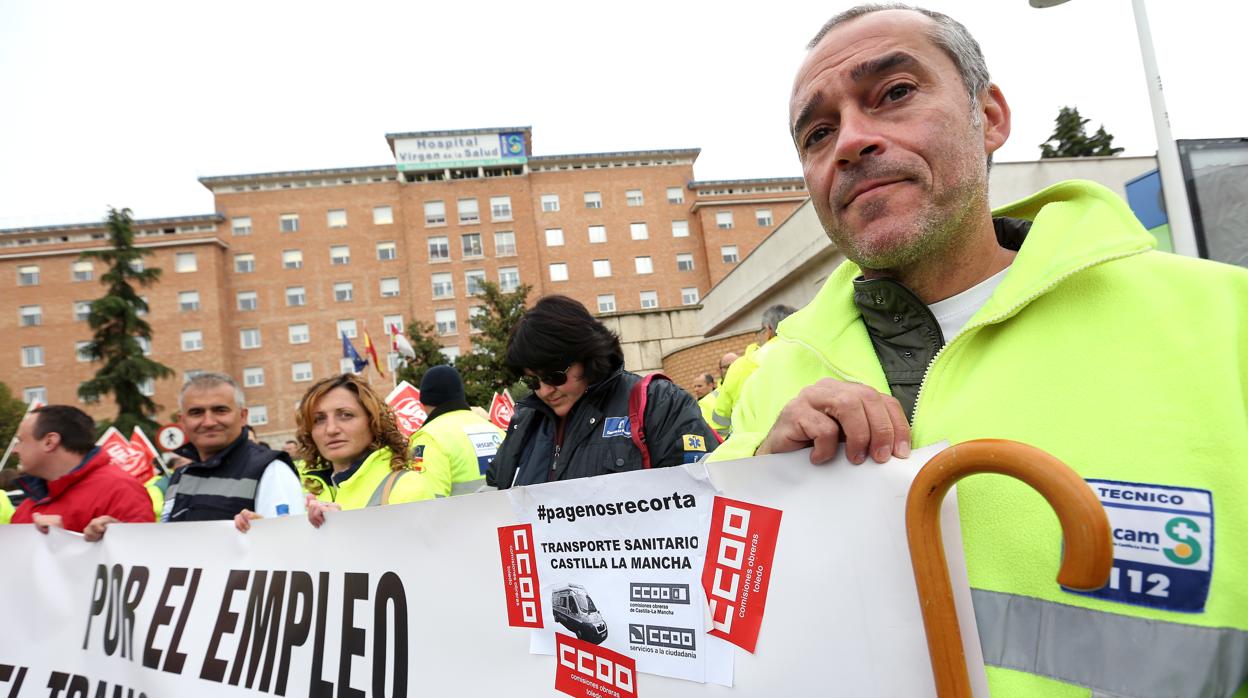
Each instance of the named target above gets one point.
<point>597,234</point>
<point>334,218</point>
<point>642,265</point>
<point>648,300</point>
<point>724,219</point>
<point>632,197</point>
<point>339,255</point>
<point>30,274</point>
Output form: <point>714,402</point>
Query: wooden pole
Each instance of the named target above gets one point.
<point>1089,550</point>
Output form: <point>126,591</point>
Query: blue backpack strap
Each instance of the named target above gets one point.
<point>637,414</point>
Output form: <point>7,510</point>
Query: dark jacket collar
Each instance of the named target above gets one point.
<point>448,406</point>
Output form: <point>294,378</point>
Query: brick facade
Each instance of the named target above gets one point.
<point>684,365</point>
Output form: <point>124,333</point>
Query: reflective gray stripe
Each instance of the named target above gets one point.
<point>1111,654</point>
<point>469,487</point>
<point>189,484</point>
<point>721,420</point>
<point>375,500</point>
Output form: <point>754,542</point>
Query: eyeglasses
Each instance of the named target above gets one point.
<point>554,379</point>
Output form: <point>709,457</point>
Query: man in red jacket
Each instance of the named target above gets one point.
<point>68,481</point>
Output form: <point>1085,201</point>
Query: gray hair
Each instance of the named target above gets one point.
<point>948,34</point>
<point>209,380</point>
<point>773,315</point>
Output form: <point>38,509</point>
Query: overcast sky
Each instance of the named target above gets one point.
<point>127,103</point>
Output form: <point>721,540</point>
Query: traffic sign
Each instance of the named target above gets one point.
<point>170,437</point>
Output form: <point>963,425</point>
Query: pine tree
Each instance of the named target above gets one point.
<point>428,353</point>
<point>1071,138</point>
<point>118,326</point>
<point>483,369</point>
<point>12,409</point>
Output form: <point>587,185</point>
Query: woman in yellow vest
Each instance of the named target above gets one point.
<point>347,430</point>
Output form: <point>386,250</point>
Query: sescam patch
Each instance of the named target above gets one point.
<point>693,442</point>
<point>616,426</point>
<point>1163,545</point>
<point>418,453</point>
<point>485,445</point>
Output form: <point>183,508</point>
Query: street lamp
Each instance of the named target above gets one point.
<point>1173,187</point>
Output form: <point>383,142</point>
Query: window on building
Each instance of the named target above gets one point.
<point>185,262</point>
<point>476,314</point>
<point>253,377</point>
<point>301,371</point>
<point>32,356</point>
<point>147,387</point>
<point>288,222</point>
<point>346,327</point>
<point>649,299</point>
<point>473,278</point>
<point>435,213</point>
<point>680,229</point>
<point>345,365</point>
<point>141,310</point>
<point>602,268</point>
<point>145,345</point>
<point>675,195</point>
<point>644,265</point>
<point>249,338</point>
<point>505,244</point>
<point>639,231</point>
<point>508,279</point>
<point>241,225</point>
<point>763,216</point>
<point>443,285</point>
<point>257,415</point>
<point>82,310</point>
<point>192,340</point>
<point>471,245</point>
<point>390,287</point>
<point>445,321</point>
<point>729,254</point>
<point>559,271</point>
<point>137,265</point>
<point>689,296</point>
<point>336,218</point>
<point>633,197</point>
<point>597,234</point>
<point>393,360</point>
<point>292,259</point>
<point>391,322</point>
<point>684,262</point>
<point>188,301</point>
<point>298,333</point>
<point>30,315</point>
<point>554,237</point>
<point>723,220</point>
<point>468,211</point>
<point>593,199</point>
<point>439,248</point>
<point>80,351</point>
<point>339,254</point>
<point>550,202</point>
<point>344,291</point>
<point>82,271</point>
<point>500,208</point>
<point>383,215</point>
<point>386,251</point>
<point>451,353</point>
<point>296,296</point>
<point>37,393</point>
<point>28,275</point>
<point>606,303</point>
<point>244,263</point>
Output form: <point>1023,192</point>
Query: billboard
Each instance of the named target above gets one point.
<point>436,152</point>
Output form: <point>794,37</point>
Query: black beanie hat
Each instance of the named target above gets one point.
<point>441,385</point>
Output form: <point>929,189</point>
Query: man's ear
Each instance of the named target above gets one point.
<point>50,441</point>
<point>995,118</point>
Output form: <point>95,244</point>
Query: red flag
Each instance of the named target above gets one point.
<point>501,409</point>
<point>125,455</point>
<point>408,412</point>
<point>140,441</point>
<point>372,352</point>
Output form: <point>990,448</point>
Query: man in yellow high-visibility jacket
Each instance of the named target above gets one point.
<point>454,446</point>
<point>744,367</point>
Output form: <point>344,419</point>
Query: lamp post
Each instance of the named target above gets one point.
<point>1173,187</point>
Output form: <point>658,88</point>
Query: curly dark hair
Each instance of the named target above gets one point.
<point>558,332</point>
<point>381,422</point>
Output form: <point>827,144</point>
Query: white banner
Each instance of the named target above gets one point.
<point>409,600</point>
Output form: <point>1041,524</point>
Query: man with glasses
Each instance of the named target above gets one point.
<point>587,415</point>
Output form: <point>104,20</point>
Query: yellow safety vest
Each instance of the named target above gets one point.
<point>455,450</point>
<point>364,487</point>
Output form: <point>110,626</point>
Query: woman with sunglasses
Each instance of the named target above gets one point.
<point>347,435</point>
<point>577,422</point>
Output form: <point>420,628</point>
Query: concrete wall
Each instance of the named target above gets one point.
<point>647,336</point>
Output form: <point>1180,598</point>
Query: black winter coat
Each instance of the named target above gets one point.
<point>598,436</point>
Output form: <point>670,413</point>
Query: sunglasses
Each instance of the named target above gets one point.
<point>554,379</point>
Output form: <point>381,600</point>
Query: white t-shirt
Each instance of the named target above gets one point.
<point>954,312</point>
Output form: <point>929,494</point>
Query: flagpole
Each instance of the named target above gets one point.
<point>30,407</point>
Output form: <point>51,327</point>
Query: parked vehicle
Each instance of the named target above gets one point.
<point>575,610</point>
